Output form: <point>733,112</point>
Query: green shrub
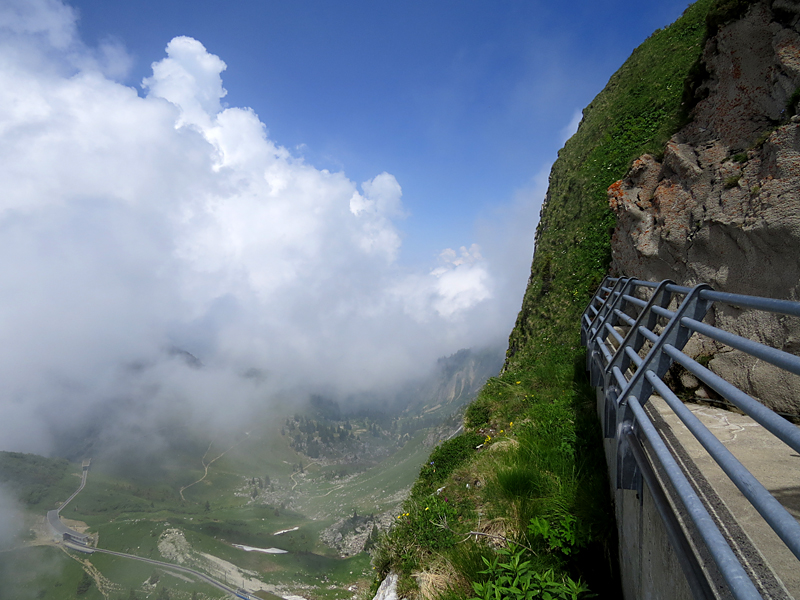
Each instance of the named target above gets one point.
<point>477,414</point>
<point>791,104</point>
<point>512,578</point>
<point>566,537</point>
<point>446,457</point>
<point>84,584</point>
<point>732,181</point>
<point>741,157</point>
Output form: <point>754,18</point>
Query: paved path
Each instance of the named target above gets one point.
<point>768,561</point>
<point>76,492</point>
<point>54,518</point>
<point>166,565</point>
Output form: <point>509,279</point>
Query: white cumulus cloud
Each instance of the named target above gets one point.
<point>137,226</point>
<point>190,79</point>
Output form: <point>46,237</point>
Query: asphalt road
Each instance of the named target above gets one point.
<point>54,518</point>
<point>55,522</point>
<point>83,483</point>
<point>175,567</point>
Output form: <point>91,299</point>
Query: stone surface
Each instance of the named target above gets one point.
<point>388,588</point>
<point>777,467</point>
<point>723,205</point>
<point>350,536</point>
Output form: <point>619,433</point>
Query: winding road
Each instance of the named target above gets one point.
<point>198,574</point>
<point>54,519</point>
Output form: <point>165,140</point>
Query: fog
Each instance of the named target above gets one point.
<point>17,570</point>
<point>164,260</point>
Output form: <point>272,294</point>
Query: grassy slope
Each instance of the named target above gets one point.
<point>549,463</point>
<point>37,481</point>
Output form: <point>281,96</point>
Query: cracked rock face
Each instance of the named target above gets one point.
<point>173,546</point>
<point>723,205</point>
<point>350,536</point>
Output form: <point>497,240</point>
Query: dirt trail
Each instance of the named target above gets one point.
<point>207,465</point>
<point>296,483</point>
<point>104,585</point>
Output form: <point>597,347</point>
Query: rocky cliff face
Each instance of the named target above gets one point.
<point>722,206</point>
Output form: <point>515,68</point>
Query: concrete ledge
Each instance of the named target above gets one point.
<point>649,565</point>
<point>771,565</point>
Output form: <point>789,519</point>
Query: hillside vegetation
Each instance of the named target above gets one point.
<point>37,481</point>
<point>523,493</point>
<point>318,482</point>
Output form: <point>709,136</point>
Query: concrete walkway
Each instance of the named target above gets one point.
<point>774,568</point>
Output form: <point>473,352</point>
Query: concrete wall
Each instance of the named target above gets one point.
<point>649,567</point>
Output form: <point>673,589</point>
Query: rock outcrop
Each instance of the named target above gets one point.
<point>388,588</point>
<point>722,206</point>
<point>355,534</point>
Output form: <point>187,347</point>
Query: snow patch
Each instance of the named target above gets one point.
<point>286,531</point>
<point>265,550</point>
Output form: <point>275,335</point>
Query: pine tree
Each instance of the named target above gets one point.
<point>84,584</point>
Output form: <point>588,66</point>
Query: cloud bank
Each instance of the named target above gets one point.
<point>138,226</point>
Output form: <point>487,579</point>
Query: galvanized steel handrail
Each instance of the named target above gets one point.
<point>634,330</point>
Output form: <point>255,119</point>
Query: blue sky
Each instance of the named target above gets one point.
<point>329,194</point>
<point>463,102</point>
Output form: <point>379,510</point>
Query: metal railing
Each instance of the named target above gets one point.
<point>634,331</point>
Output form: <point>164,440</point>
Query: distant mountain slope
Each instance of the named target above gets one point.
<point>323,475</point>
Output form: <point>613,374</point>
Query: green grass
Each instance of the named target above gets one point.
<point>636,113</point>
<point>42,573</point>
<point>37,482</point>
<point>368,492</point>
<point>542,457</point>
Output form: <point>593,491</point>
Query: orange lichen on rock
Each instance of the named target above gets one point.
<point>615,195</point>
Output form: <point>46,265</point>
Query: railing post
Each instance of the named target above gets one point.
<point>587,311</point>
<point>586,330</point>
<point>661,297</point>
<point>675,334</point>
<point>594,359</point>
